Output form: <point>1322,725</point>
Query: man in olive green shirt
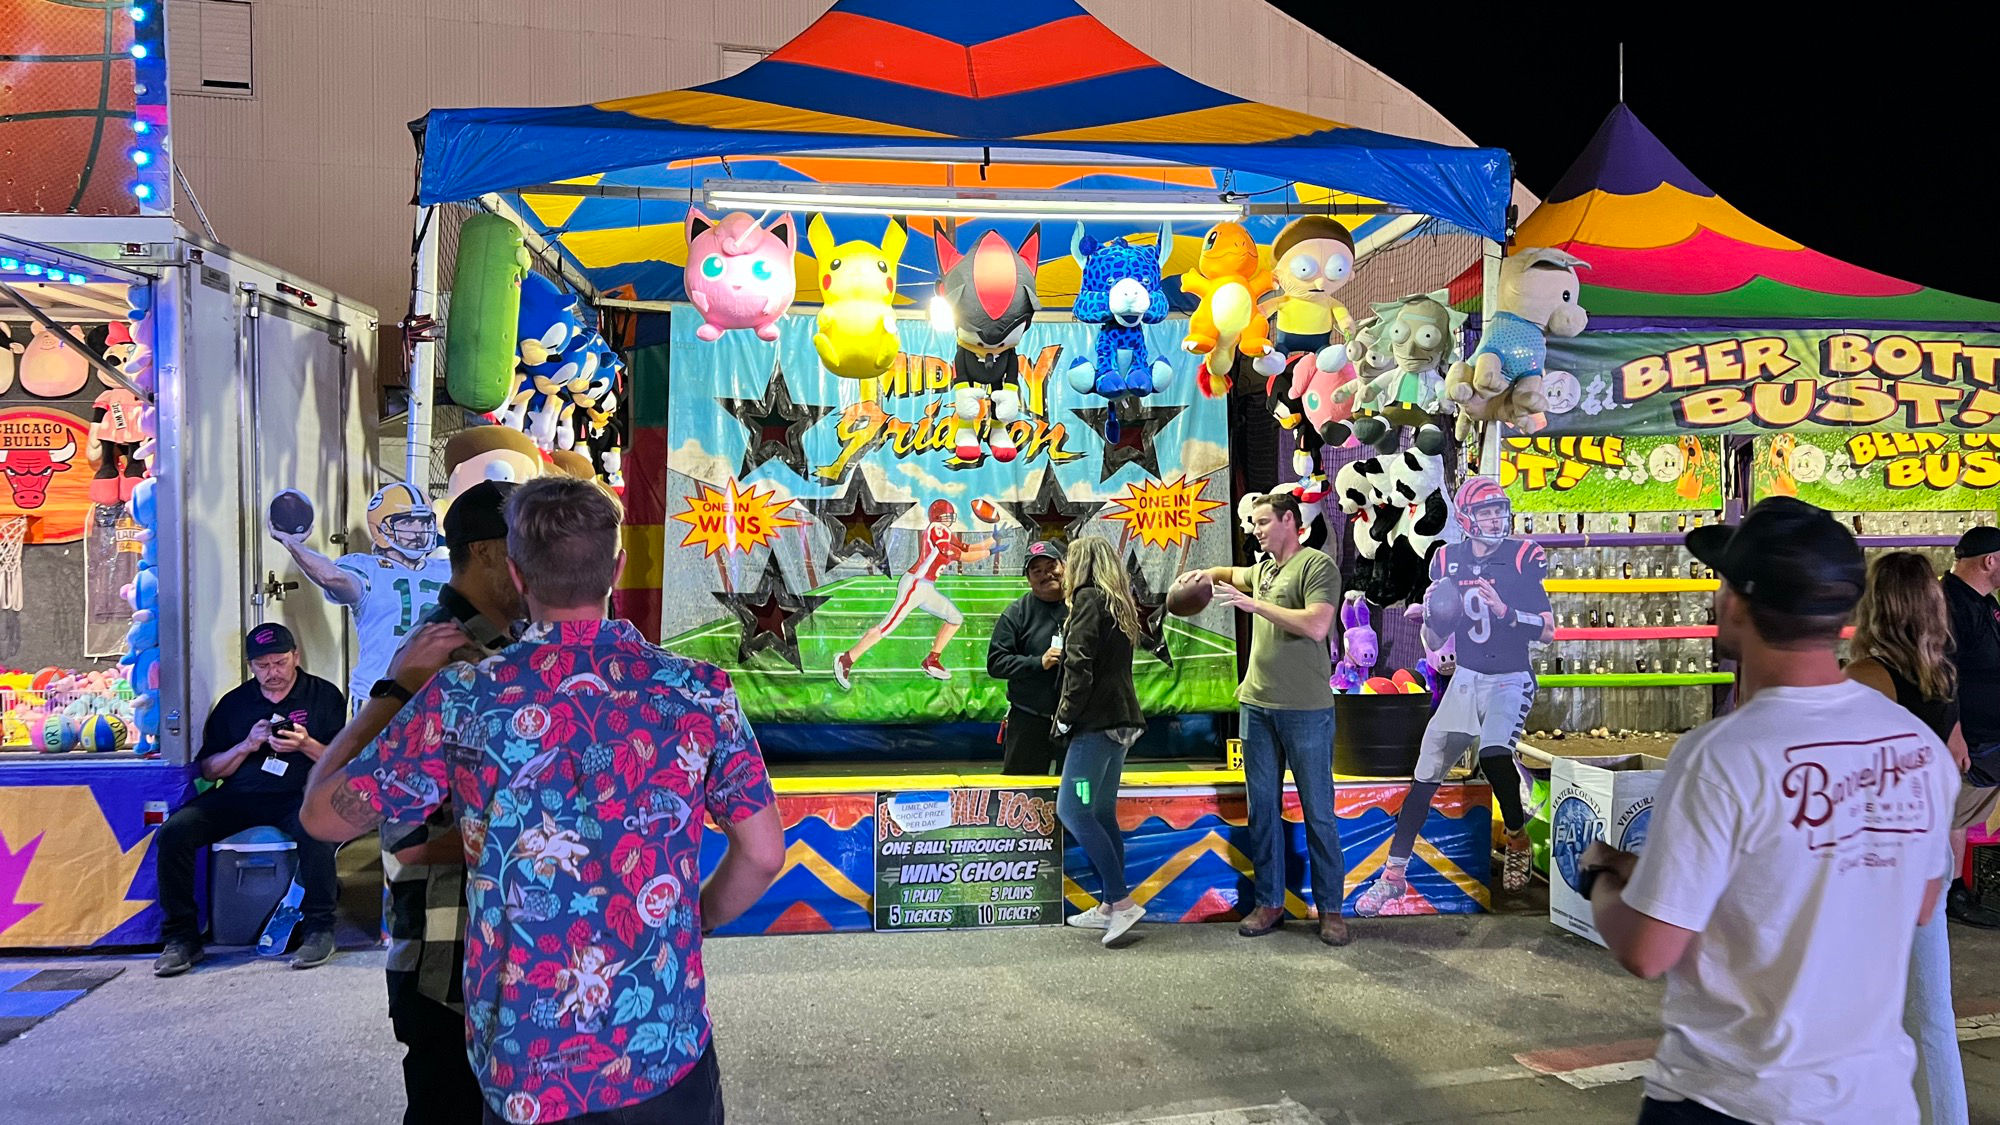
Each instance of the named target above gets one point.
<point>1286,707</point>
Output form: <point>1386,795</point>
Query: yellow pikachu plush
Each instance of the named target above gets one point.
<point>857,282</point>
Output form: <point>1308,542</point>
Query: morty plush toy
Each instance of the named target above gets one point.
<point>991,292</point>
<point>857,282</point>
<point>739,273</point>
<point>1502,380</point>
<point>488,453</point>
<point>1314,257</point>
<point>1229,280</point>
<point>1120,294</point>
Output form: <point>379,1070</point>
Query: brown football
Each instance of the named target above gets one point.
<point>1185,599</point>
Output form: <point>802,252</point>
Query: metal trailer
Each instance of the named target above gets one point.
<point>261,380</point>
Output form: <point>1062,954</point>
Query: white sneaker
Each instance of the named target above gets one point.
<point>1096,918</point>
<point>1121,921</point>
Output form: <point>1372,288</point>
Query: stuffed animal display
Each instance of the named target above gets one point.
<point>1397,513</point>
<point>1403,352</point>
<point>51,366</point>
<point>1229,279</point>
<point>991,294</point>
<point>568,380</point>
<point>857,281</point>
<point>113,445</point>
<point>1120,294</point>
<point>1501,381</point>
<point>739,272</point>
<point>485,307</point>
<point>1360,647</point>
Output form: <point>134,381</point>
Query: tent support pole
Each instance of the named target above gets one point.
<point>1489,287</point>
<point>423,357</point>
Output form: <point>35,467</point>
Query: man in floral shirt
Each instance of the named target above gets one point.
<point>581,763</point>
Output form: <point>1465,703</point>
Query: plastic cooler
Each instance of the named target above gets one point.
<point>248,873</point>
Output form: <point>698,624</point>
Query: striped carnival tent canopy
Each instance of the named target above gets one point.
<point>1666,251</point>
<point>1021,83</point>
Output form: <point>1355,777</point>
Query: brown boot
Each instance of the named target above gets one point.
<point>1333,930</point>
<point>1261,921</point>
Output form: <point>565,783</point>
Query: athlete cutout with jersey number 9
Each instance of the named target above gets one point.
<point>1486,601</point>
<point>390,587</point>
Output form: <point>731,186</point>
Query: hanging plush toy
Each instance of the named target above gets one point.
<point>739,273</point>
<point>1501,381</point>
<point>1229,280</point>
<point>9,348</point>
<point>1406,348</point>
<point>486,285</point>
<point>857,284</point>
<point>114,438</point>
<point>1416,518</point>
<point>1362,490</point>
<point>550,322</point>
<point>1359,646</point>
<point>991,293</point>
<point>1314,258</point>
<point>52,367</point>
<point>487,453</point>
<point>1120,294</point>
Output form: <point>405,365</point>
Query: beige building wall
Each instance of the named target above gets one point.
<point>314,170</point>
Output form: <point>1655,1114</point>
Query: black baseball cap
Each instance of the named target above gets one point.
<point>1044,549</point>
<point>479,514</point>
<point>268,639</point>
<point>1979,541</point>
<point>1788,556</point>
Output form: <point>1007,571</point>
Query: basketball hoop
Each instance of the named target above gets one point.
<point>13,532</point>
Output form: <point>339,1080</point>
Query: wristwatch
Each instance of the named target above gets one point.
<point>389,689</point>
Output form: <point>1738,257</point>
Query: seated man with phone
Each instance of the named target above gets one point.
<point>259,744</point>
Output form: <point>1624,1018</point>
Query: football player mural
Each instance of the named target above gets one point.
<point>1486,599</point>
<point>918,590</point>
<point>390,587</point>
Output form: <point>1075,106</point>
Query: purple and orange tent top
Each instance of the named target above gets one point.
<point>1666,250</point>
<point>960,80</point>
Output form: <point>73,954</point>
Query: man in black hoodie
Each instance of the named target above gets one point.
<point>1026,651</point>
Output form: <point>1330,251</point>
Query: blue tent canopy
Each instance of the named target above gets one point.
<point>1028,77</point>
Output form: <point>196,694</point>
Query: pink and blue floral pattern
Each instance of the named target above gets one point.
<point>582,761</point>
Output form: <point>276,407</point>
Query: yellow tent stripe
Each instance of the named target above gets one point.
<point>555,210</point>
<point>720,111</point>
<point>1240,123</point>
<point>1661,217</point>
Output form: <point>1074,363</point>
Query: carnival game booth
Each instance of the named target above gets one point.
<point>152,383</point>
<point>789,261</point>
<point>1723,363</point>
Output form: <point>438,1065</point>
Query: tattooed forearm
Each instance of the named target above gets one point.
<point>353,808</point>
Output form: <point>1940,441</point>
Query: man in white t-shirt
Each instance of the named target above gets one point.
<point>1794,846</point>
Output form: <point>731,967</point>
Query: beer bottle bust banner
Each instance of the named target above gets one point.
<point>836,545</point>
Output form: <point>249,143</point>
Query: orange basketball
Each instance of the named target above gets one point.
<point>60,164</point>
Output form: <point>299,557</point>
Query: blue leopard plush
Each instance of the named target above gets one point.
<point>1120,294</point>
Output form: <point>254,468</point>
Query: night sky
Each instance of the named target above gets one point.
<point>1861,140</point>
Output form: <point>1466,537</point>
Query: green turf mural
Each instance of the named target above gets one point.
<point>810,515</point>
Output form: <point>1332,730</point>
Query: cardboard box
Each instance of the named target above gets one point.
<point>1594,799</point>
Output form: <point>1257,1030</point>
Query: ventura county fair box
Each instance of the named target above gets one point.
<point>1594,799</point>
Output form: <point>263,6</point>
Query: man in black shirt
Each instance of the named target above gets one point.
<point>260,741</point>
<point>1026,651</point>
<point>1975,632</point>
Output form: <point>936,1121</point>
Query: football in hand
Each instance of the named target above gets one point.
<point>291,512</point>
<point>1187,598</point>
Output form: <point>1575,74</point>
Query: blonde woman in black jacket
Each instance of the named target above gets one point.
<point>1099,711</point>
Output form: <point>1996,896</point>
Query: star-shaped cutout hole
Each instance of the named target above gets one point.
<point>1051,515</point>
<point>770,614</point>
<point>774,426</point>
<point>1152,612</point>
<point>1136,429</point>
<point>856,523</point>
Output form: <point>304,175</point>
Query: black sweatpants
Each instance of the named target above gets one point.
<point>1027,746</point>
<point>217,815</point>
<point>437,1077</point>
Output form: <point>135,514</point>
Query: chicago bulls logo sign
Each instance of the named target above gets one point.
<point>46,468</point>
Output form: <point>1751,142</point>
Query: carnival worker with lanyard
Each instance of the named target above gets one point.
<point>258,743</point>
<point>1287,711</point>
<point>1795,846</point>
<point>425,861</point>
<point>1026,651</point>
<point>582,763</point>
<point>1975,632</point>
